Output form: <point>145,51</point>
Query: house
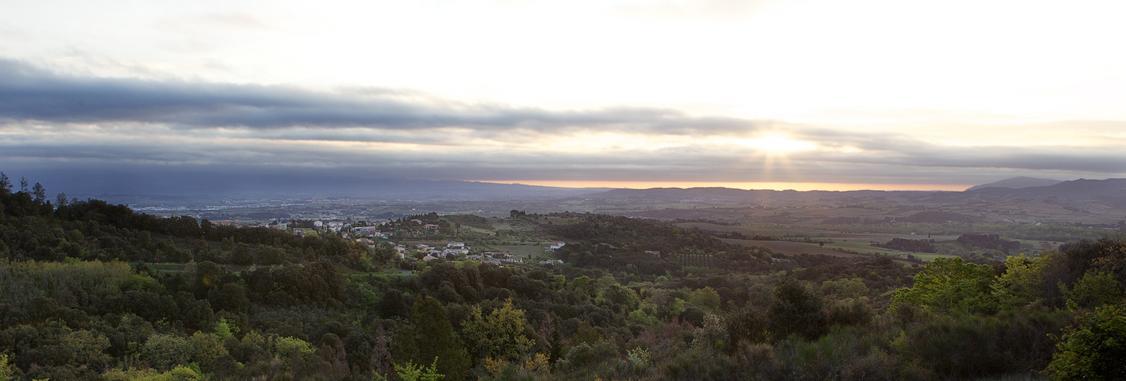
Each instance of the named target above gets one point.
<point>556,246</point>
<point>454,249</point>
<point>551,262</point>
<point>455,252</point>
<point>365,231</point>
<point>430,227</point>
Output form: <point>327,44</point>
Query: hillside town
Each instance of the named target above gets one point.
<point>422,238</point>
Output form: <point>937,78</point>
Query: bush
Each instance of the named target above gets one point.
<point>1094,349</point>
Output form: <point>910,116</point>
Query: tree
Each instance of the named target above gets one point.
<point>1022,281</point>
<point>7,373</point>
<point>224,329</point>
<point>5,185</point>
<point>39,193</point>
<point>1094,289</point>
<point>950,284</point>
<point>431,336</point>
<point>23,184</point>
<point>230,297</point>
<point>413,372</point>
<point>498,335</point>
<point>747,326</point>
<point>293,347</point>
<point>1094,349</point>
<point>207,349</point>
<point>795,311</point>
<point>706,298</point>
<point>60,199</point>
<point>166,351</point>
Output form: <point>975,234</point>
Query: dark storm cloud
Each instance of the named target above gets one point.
<point>31,93</point>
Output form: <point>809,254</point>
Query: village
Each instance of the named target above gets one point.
<point>429,237</point>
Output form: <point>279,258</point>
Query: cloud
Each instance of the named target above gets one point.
<point>56,120</point>
<point>30,93</point>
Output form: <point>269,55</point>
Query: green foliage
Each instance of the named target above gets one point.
<point>638,358</point>
<point>950,285</point>
<point>1094,349</point>
<point>179,373</point>
<point>431,336</point>
<point>697,363</point>
<point>225,330</point>
<point>413,372</point>
<point>1022,283</point>
<point>163,352</point>
<point>643,316</point>
<point>292,347</point>
<point>1094,289</point>
<point>7,373</point>
<point>498,335</point>
<point>706,298</point>
<point>844,288</point>
<point>92,290</point>
<point>841,354</point>
<point>207,349</point>
<point>796,311</point>
<point>963,345</point>
<point>75,283</point>
<point>587,359</point>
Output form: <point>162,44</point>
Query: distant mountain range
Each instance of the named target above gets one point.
<point>1084,201</point>
<point>1015,199</point>
<point>1108,189</point>
<point>1017,183</point>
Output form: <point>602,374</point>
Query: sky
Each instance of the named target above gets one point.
<point>803,94</point>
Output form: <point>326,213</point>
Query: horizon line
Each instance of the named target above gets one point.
<point>743,185</point>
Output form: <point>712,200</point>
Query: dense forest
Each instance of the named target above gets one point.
<point>92,291</point>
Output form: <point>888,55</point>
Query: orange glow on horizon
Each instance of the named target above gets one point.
<point>800,186</point>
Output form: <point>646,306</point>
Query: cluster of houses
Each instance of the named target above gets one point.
<point>459,250</point>
<point>451,251</point>
<point>495,257</point>
<point>369,235</point>
<point>370,232</point>
<point>341,227</point>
